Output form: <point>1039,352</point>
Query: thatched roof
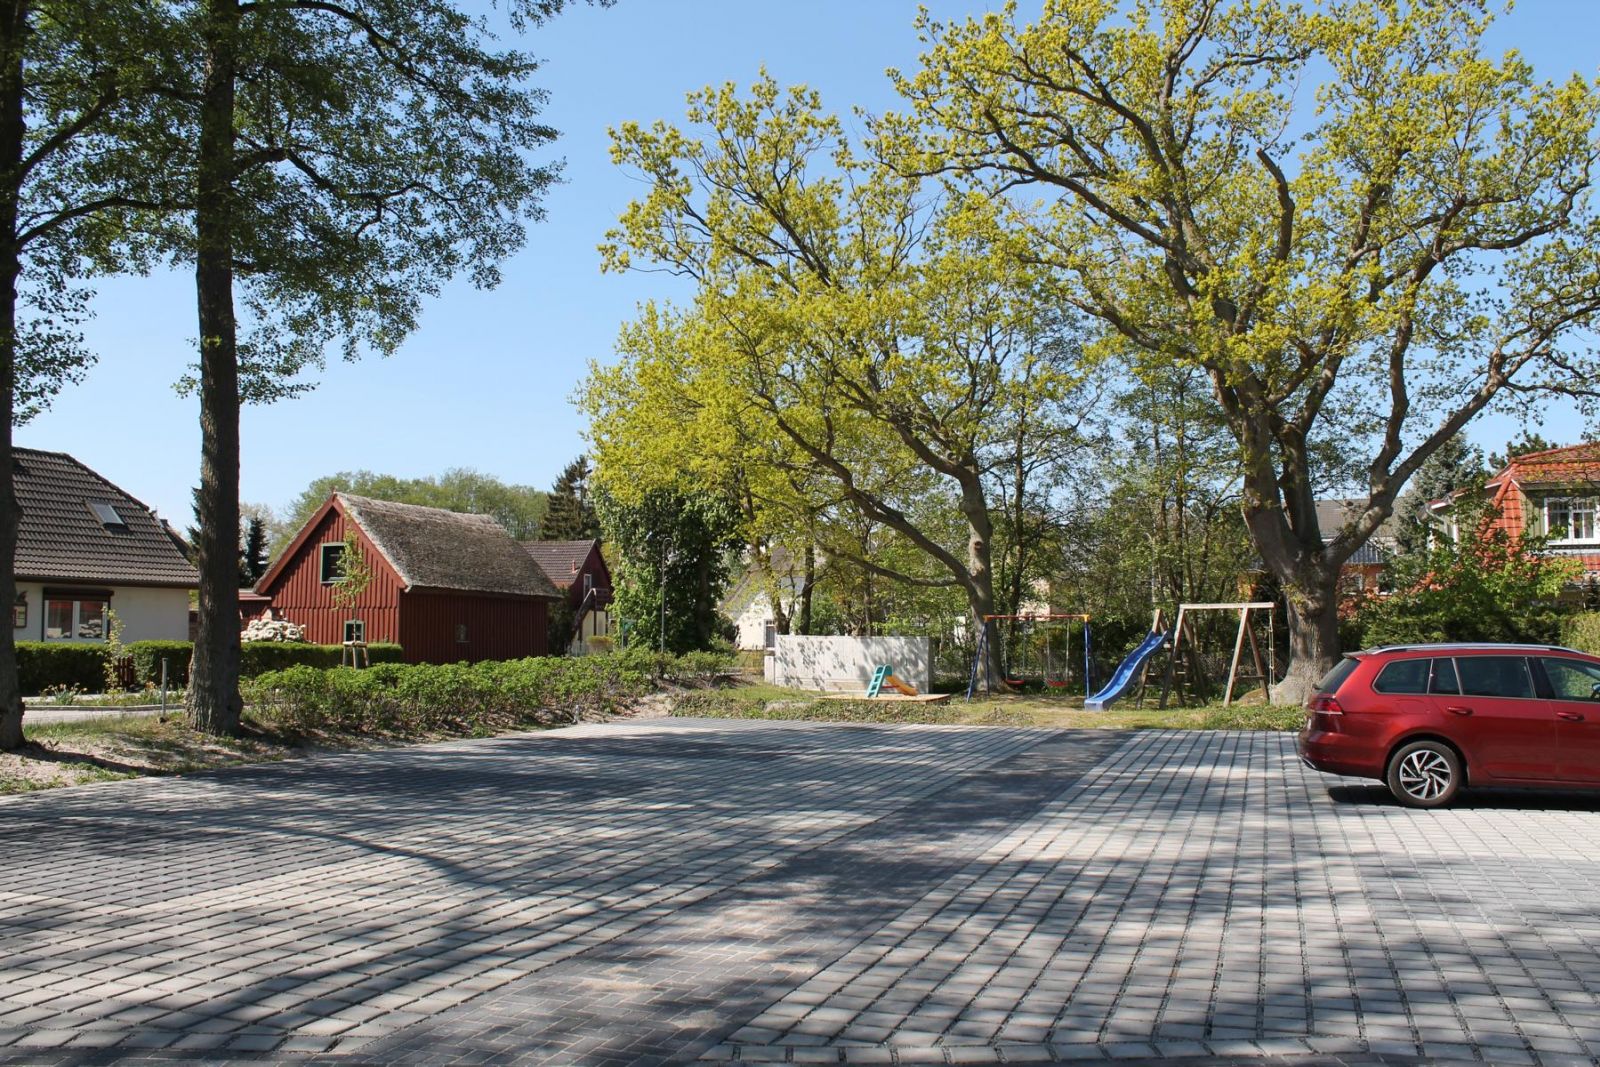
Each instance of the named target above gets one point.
<point>431,548</point>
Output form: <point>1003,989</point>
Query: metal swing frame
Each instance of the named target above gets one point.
<point>983,644</point>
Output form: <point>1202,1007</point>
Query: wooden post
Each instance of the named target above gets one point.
<point>1238,649</point>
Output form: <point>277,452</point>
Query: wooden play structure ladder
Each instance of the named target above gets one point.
<point>1185,674</point>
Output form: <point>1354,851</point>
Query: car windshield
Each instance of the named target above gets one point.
<point>1335,678</point>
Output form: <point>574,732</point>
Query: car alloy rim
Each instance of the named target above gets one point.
<point>1425,775</point>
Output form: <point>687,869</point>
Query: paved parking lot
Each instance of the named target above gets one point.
<point>674,891</point>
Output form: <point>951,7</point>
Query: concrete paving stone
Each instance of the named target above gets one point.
<point>950,881</point>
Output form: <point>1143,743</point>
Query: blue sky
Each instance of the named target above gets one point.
<point>487,379</point>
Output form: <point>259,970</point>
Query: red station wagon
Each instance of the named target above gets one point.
<point>1430,719</point>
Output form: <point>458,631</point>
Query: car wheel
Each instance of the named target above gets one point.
<point>1424,774</point>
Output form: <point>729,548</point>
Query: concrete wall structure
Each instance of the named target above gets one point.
<point>845,664</point>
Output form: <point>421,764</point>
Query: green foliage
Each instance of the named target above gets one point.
<point>1528,442</point>
<point>519,508</point>
<point>571,515</point>
<point>1582,632</point>
<point>352,573</point>
<point>147,657</point>
<point>866,369</point>
<point>253,557</point>
<point>255,657</point>
<point>676,545</point>
<point>259,657</point>
<point>1487,587</point>
<point>1355,219</point>
<point>43,665</point>
<point>1457,465</point>
<point>413,698</point>
<point>1254,717</point>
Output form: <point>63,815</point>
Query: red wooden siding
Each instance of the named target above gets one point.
<point>299,596</point>
<point>593,564</point>
<point>496,627</point>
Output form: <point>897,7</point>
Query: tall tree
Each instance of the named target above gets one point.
<point>673,550</point>
<point>1424,245</point>
<point>869,322</point>
<point>349,157</point>
<point>75,77</point>
<point>1455,464</point>
<point>571,515</point>
<point>253,557</point>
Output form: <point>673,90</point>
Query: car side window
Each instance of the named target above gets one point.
<point>1495,676</point>
<point>1572,679</point>
<point>1403,676</point>
<point>1444,677</point>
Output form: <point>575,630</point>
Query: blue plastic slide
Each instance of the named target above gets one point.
<point>1124,677</point>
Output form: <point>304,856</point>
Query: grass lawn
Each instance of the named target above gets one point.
<point>760,701</point>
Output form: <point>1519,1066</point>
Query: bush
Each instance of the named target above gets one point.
<point>147,657</point>
<point>258,657</point>
<point>1488,588</point>
<point>1582,632</point>
<point>45,665</point>
<point>430,698</point>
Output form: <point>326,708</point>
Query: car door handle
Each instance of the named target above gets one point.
<point>1457,709</point>
<point>1570,716</point>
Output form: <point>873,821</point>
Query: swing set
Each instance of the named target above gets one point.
<point>1038,652</point>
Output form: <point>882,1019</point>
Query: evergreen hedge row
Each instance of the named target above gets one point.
<point>44,665</point>
<point>453,697</point>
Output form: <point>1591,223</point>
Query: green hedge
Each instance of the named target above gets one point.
<point>422,697</point>
<point>255,657</point>
<point>45,665</point>
<point>259,657</point>
<point>147,657</point>
<point>1582,632</point>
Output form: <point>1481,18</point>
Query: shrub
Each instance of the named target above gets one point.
<point>1582,632</point>
<point>258,657</point>
<point>45,665</point>
<point>429,698</point>
<point>147,657</point>
<point>703,667</point>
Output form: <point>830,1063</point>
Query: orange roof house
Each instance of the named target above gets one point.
<point>1553,494</point>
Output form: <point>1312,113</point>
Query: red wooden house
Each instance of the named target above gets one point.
<point>445,586</point>
<point>579,572</point>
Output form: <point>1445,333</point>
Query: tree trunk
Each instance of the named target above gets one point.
<point>807,585</point>
<point>1313,636</point>
<point>214,702</point>
<point>13,26</point>
<point>980,578</point>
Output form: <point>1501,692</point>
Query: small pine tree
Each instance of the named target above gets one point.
<point>571,515</point>
<point>253,553</point>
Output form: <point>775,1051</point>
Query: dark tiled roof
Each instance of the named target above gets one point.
<point>1335,512</point>
<point>560,560</point>
<point>431,548</point>
<point>61,538</point>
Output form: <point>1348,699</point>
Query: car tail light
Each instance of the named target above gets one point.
<point>1325,704</point>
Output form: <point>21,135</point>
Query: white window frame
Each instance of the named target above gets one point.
<point>355,630</point>
<point>1571,506</point>
<point>78,620</point>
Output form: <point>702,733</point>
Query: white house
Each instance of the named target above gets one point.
<point>749,602</point>
<point>85,550</point>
